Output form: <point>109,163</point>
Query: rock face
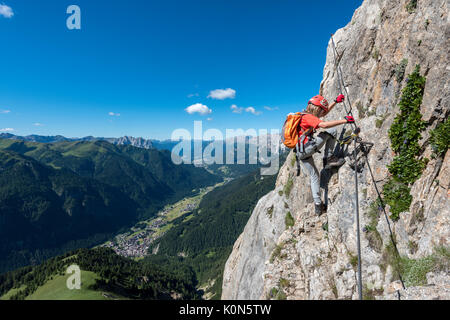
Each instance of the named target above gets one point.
<point>135,142</point>
<point>316,258</point>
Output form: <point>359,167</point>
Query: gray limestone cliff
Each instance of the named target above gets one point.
<point>315,257</point>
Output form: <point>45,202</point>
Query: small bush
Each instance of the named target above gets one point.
<point>284,283</point>
<point>273,293</point>
<point>406,168</point>
<point>373,236</point>
<point>411,6</point>
<point>376,54</point>
<point>373,213</point>
<point>390,257</point>
<point>414,271</point>
<point>281,296</point>
<point>397,195</point>
<point>288,187</point>
<point>289,220</point>
<point>413,246</point>
<point>370,294</point>
<point>442,259</point>
<point>379,123</point>
<point>293,160</point>
<point>353,260</point>
<point>333,286</point>
<point>270,212</point>
<point>277,294</point>
<point>440,138</point>
<point>276,252</point>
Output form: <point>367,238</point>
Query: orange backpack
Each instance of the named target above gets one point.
<point>291,132</point>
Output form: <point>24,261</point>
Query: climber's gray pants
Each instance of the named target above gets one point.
<point>327,138</point>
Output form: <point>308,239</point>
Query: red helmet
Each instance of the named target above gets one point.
<point>320,102</point>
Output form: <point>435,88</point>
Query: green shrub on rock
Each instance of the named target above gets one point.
<point>289,220</point>
<point>440,138</point>
<point>405,134</point>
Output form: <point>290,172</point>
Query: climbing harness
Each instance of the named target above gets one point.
<point>363,148</point>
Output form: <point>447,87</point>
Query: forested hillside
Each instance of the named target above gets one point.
<point>190,258</point>
<point>67,195</point>
<point>115,277</point>
<point>205,241</point>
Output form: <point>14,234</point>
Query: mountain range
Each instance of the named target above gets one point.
<point>126,140</point>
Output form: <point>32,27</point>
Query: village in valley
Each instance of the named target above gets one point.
<point>136,242</point>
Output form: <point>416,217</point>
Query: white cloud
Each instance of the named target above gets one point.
<point>252,111</point>
<point>6,11</point>
<point>236,109</point>
<point>239,110</point>
<point>191,95</point>
<point>198,108</point>
<point>270,109</point>
<point>222,94</point>
<point>38,124</point>
<point>112,114</point>
<point>5,111</point>
<point>209,119</point>
<point>7,130</point>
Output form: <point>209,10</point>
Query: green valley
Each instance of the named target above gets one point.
<point>136,241</point>
<point>59,197</point>
<point>159,231</point>
<point>205,240</point>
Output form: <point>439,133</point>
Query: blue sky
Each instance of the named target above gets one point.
<point>136,66</point>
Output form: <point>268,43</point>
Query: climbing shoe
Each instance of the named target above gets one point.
<point>332,162</point>
<point>320,208</point>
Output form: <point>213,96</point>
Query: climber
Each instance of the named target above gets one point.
<point>310,121</point>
